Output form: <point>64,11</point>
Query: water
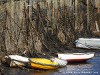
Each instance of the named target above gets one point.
<point>91,67</point>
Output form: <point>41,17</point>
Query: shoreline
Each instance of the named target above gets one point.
<point>62,50</point>
<point>70,50</point>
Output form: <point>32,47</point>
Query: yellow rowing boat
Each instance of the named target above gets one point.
<point>42,63</point>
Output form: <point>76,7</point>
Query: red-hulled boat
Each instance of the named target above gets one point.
<point>75,57</point>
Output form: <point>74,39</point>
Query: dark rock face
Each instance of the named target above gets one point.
<point>2,54</point>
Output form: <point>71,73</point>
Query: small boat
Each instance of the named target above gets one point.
<point>14,63</point>
<point>75,57</point>
<point>42,63</point>
<point>36,63</point>
<point>88,43</point>
<point>16,60</point>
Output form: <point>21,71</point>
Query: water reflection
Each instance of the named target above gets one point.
<point>77,68</point>
<point>43,72</point>
<point>79,65</point>
<point>91,67</point>
<point>16,71</point>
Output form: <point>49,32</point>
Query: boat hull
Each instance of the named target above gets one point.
<point>16,61</point>
<point>42,63</point>
<point>77,60</point>
<point>17,58</point>
<point>76,57</point>
<point>40,66</point>
<point>88,43</point>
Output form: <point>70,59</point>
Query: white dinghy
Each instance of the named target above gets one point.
<point>75,57</point>
<point>16,60</point>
